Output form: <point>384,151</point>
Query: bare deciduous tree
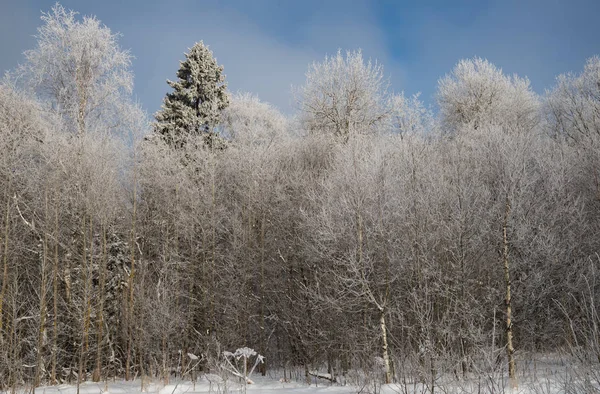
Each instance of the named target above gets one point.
<point>344,96</point>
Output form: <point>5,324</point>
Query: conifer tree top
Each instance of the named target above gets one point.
<point>198,97</point>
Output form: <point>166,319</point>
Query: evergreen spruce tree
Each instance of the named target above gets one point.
<point>194,107</point>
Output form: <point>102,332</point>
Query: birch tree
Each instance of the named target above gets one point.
<point>573,105</point>
<point>477,93</point>
<point>80,71</point>
<point>344,95</point>
<point>250,121</point>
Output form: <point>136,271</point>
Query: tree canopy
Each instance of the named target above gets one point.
<point>198,97</point>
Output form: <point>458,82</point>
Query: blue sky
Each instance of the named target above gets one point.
<point>266,45</point>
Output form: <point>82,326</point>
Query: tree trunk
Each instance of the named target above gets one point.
<point>15,365</point>
<point>42,325</point>
<point>82,78</point>
<point>130,301</point>
<point>510,350</point>
<point>5,256</point>
<point>87,264</point>
<point>384,348</point>
<point>213,246</point>
<point>263,337</point>
<point>100,310</point>
<point>55,300</point>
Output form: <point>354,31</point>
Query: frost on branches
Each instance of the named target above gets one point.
<point>573,106</point>
<point>344,96</point>
<point>194,106</point>
<point>80,71</point>
<point>249,121</point>
<point>477,94</point>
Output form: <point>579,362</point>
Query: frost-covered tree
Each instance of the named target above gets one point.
<point>79,69</point>
<point>410,116</point>
<point>248,120</point>
<point>82,81</point>
<point>343,96</point>
<point>574,104</point>
<point>393,256</point>
<point>21,129</point>
<point>198,97</point>
<point>477,93</point>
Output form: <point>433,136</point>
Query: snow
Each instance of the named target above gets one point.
<point>212,383</point>
<point>547,375</point>
<point>245,352</point>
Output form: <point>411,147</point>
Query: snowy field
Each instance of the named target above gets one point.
<point>544,376</point>
<point>271,386</point>
<point>536,374</point>
<point>203,385</point>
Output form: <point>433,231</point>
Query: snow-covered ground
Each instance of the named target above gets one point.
<point>545,385</point>
<point>550,374</point>
<point>202,386</point>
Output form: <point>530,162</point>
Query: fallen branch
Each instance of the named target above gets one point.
<point>325,376</point>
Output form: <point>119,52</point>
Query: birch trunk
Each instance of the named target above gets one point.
<point>42,325</point>
<point>55,299</point>
<point>100,309</point>
<point>510,350</point>
<point>384,348</point>
<point>130,283</point>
